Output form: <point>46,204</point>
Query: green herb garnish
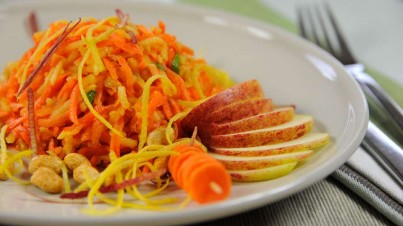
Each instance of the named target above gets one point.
<point>176,63</point>
<point>160,66</point>
<point>91,96</point>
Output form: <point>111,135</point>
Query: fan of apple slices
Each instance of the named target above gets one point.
<point>254,139</point>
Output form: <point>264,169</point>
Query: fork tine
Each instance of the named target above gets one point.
<point>328,43</point>
<point>301,25</point>
<point>345,51</point>
<point>306,21</point>
<point>315,33</point>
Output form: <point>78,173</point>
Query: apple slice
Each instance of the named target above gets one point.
<point>308,141</point>
<point>239,92</point>
<point>239,110</point>
<point>267,119</point>
<point>262,174</point>
<point>299,126</point>
<point>258,162</point>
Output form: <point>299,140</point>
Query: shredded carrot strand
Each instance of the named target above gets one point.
<point>74,104</point>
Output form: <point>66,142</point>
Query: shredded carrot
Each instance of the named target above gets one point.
<point>74,104</point>
<point>156,100</point>
<point>110,67</point>
<point>115,140</point>
<point>167,110</point>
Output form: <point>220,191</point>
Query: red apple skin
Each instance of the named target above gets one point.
<point>242,91</point>
<point>233,112</point>
<point>239,110</point>
<point>253,139</point>
<point>260,121</point>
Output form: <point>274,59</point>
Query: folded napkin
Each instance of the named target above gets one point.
<point>361,173</point>
<point>364,164</point>
<point>366,177</point>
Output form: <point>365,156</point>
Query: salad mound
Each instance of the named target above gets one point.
<point>110,92</point>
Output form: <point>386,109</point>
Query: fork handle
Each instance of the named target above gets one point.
<point>388,153</point>
<point>369,84</point>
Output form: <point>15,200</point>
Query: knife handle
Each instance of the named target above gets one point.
<point>388,153</point>
<point>372,87</point>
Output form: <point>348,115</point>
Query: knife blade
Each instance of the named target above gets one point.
<point>385,150</point>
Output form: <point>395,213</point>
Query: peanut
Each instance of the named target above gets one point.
<point>74,160</point>
<point>49,161</point>
<point>47,180</point>
<point>82,170</point>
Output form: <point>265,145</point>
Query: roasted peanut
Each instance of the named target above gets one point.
<point>82,170</point>
<point>47,180</point>
<point>74,160</point>
<point>158,136</point>
<point>49,161</point>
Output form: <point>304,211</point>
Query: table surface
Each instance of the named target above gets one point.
<point>326,203</point>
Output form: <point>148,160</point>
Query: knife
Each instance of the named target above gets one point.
<point>375,90</point>
<point>385,150</point>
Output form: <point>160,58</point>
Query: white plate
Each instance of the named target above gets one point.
<point>291,71</point>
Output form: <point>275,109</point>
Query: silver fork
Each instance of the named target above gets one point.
<point>389,154</point>
<point>344,55</point>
